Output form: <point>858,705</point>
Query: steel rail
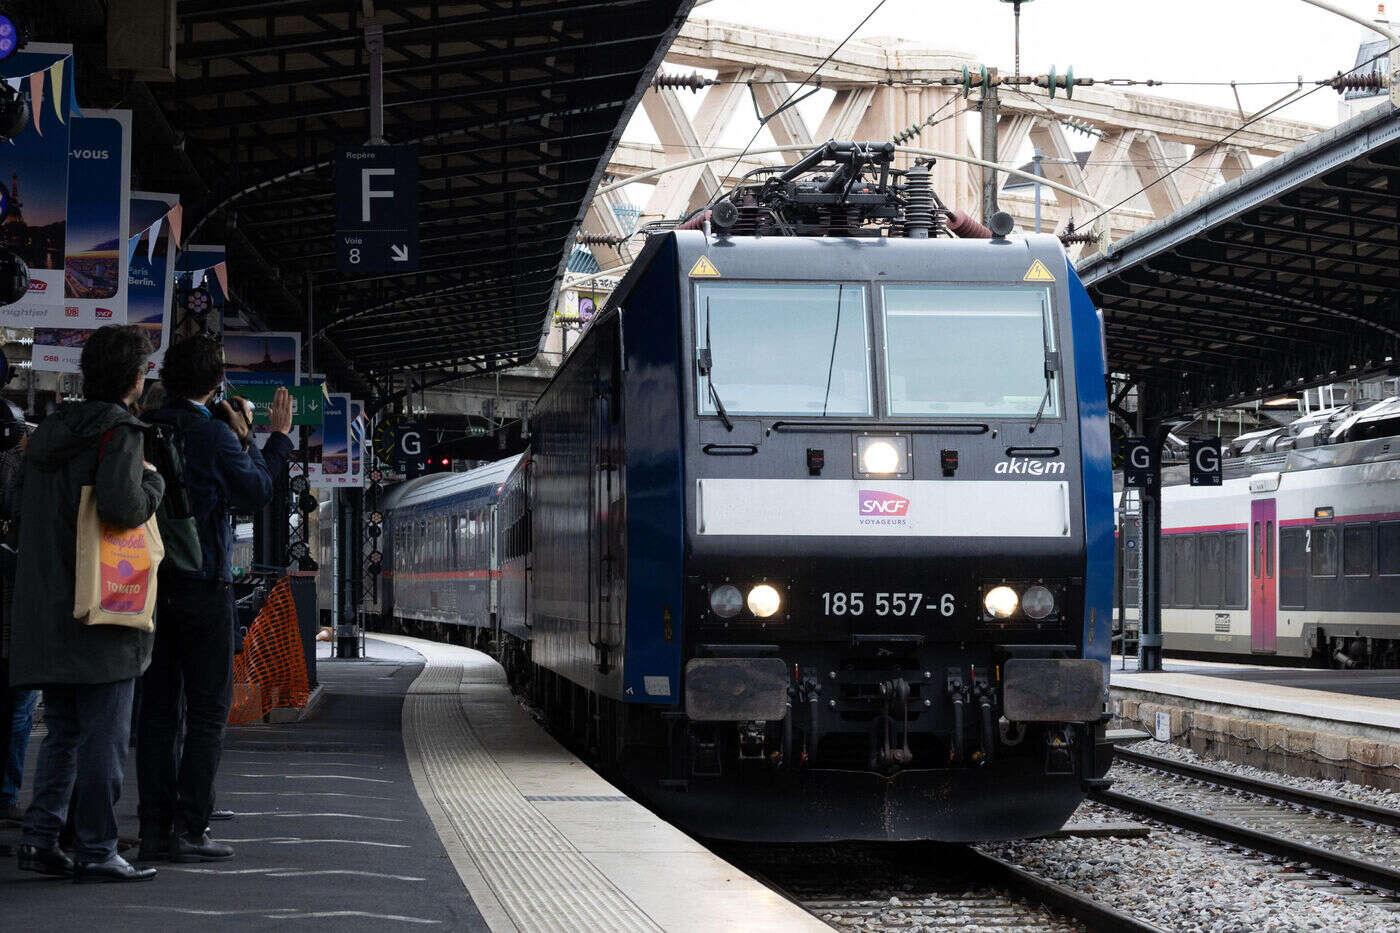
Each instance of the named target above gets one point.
<point>1345,866</point>
<point>1340,806</point>
<point>1098,917</point>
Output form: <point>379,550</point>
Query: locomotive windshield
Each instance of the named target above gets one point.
<point>782,349</point>
<point>968,351</point>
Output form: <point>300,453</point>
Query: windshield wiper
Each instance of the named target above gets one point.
<point>831,364</point>
<point>706,364</point>
<point>1052,366</point>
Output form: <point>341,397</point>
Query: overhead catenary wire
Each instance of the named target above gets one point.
<point>1266,112</point>
<point>787,101</point>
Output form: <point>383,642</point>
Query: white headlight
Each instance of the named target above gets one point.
<point>726,601</point>
<point>1038,602</point>
<point>763,600</point>
<point>880,457</point>
<point>1001,602</point>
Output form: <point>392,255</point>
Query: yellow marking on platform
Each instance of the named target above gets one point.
<point>1036,273</point>
<point>703,268</point>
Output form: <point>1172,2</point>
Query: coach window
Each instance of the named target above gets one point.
<point>1324,550</point>
<point>1185,571</point>
<point>1236,562</point>
<point>1167,548</point>
<point>1212,568</point>
<point>1356,550</point>
<point>1388,548</point>
<point>1293,568</point>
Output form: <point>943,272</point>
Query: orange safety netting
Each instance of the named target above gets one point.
<point>271,669</point>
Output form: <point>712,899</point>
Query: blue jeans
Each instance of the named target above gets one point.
<point>81,764</point>
<point>22,702</point>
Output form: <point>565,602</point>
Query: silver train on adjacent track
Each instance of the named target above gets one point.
<point>1295,559</point>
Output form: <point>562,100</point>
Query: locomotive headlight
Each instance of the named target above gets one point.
<point>1037,602</point>
<point>1000,602</point>
<point>882,456</point>
<point>763,600</point>
<point>726,601</point>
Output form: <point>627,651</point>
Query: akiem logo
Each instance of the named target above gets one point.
<point>882,508</point>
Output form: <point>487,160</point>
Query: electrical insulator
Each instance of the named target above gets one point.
<point>906,134</point>
<point>1374,81</point>
<point>1083,126</point>
<point>598,239</point>
<point>1064,82</point>
<point>692,82</point>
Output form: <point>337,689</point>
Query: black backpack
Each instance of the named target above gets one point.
<point>175,515</point>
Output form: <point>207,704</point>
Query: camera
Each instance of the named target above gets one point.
<point>14,274</point>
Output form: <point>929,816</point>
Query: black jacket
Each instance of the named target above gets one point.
<point>47,645</point>
<point>221,477</point>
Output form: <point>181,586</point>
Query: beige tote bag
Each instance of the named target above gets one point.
<point>116,570</point>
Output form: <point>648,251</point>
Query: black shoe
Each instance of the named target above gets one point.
<point>154,848</point>
<point>115,868</point>
<point>50,861</point>
<point>221,815</point>
<point>199,848</point>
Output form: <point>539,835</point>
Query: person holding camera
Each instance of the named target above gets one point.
<point>222,472</point>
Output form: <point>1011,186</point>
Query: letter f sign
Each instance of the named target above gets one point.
<point>368,192</point>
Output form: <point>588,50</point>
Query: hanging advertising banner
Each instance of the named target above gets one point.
<point>153,236</point>
<point>357,443</point>
<point>335,451</point>
<point>34,173</point>
<point>262,359</point>
<point>152,225</point>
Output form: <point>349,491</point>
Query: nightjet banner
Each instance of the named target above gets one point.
<point>357,443</point>
<point>151,276</point>
<point>262,359</point>
<point>95,264</point>
<point>34,176</point>
<point>335,441</point>
<point>149,285</point>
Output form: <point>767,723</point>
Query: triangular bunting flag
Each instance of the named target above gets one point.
<point>151,234</point>
<point>131,245</point>
<point>36,98</point>
<point>73,95</point>
<point>221,273</point>
<point>176,217</point>
<point>57,72</point>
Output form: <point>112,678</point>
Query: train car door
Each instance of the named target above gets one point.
<point>1263,588</point>
<point>606,512</point>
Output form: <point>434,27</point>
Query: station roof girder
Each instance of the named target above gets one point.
<point>515,105</point>
<point>1285,278</point>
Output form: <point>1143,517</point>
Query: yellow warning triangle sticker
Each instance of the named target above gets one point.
<point>1036,273</point>
<point>703,268</point>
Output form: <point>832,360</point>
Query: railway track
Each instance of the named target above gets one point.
<point>1351,840</point>
<point>872,888</point>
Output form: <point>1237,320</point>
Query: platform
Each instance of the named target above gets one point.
<point>1339,724</point>
<point>420,795</point>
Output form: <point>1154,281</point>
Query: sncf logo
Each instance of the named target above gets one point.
<point>876,504</point>
<point>36,285</point>
<point>104,313</point>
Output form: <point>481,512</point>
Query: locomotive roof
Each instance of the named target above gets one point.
<point>482,481</point>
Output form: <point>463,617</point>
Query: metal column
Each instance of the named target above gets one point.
<point>989,146</point>
<point>1150,573</point>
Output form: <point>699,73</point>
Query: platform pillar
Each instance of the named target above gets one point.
<point>1150,585</point>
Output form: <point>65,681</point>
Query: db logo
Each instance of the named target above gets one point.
<point>50,358</point>
<point>104,313</point>
<point>70,311</point>
<point>874,503</point>
<point>37,286</point>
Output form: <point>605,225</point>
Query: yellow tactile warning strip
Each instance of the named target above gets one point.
<point>534,876</point>
<point>539,839</point>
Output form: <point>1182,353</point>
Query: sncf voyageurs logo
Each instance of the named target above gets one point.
<point>882,508</point>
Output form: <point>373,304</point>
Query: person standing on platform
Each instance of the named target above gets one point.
<point>16,706</point>
<point>195,616</point>
<point>87,672</point>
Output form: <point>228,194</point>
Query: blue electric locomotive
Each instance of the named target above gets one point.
<point>817,521</point>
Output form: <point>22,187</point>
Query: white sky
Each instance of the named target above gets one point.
<point>1195,40</point>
